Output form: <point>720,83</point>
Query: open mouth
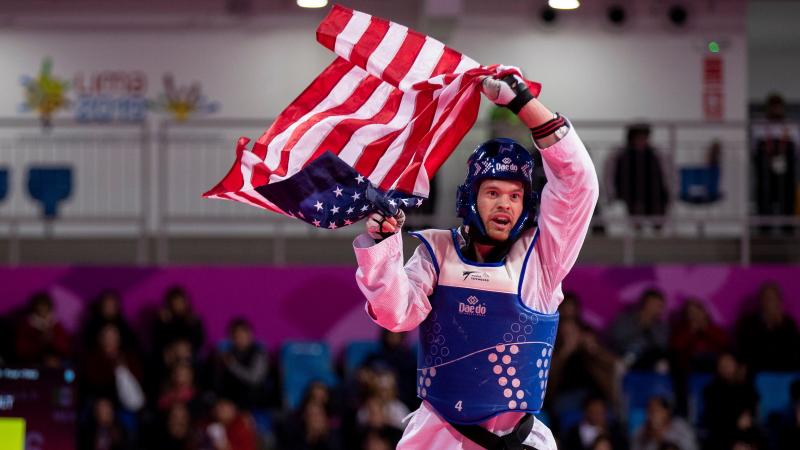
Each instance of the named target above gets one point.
<point>501,220</point>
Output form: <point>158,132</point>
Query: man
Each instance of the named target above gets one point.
<point>486,294</point>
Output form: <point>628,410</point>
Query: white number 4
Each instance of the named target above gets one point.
<point>458,406</point>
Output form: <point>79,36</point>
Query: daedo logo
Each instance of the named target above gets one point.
<point>471,307</point>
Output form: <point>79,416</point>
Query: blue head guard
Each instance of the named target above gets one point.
<point>502,159</point>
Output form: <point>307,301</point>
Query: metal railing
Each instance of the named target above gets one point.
<point>125,189</point>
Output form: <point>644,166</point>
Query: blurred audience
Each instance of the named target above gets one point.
<point>240,367</point>
<point>106,309</point>
<point>179,389</point>
<point>231,429</point>
<point>175,430</point>
<point>104,431</point>
<point>580,366</point>
<point>177,321</point>
<point>729,401</point>
<point>696,341</point>
<point>112,372</point>
<point>639,176</point>
<point>768,339</point>
<point>395,355</point>
<point>40,337</point>
<point>595,425</point>
<point>775,142</point>
<point>640,335</point>
<point>662,427</point>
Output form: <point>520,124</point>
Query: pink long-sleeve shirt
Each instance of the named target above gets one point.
<point>397,293</point>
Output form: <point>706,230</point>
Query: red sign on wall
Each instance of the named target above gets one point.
<point>713,97</point>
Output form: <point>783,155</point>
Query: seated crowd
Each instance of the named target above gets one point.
<point>169,389</point>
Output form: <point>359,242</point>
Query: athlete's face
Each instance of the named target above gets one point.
<point>500,204</point>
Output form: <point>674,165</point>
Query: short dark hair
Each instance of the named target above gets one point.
<point>651,293</point>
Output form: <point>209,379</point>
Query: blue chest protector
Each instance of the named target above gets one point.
<point>482,351</point>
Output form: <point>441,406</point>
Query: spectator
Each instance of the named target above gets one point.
<point>774,160</point>
<point>176,432</point>
<point>768,339</point>
<point>395,355</point>
<point>231,429</point>
<point>375,417</point>
<point>727,401</point>
<point>377,440</point>
<point>180,389</point>
<point>695,344</point>
<point>593,426</point>
<point>113,372</point>
<point>241,367</point>
<point>662,427</point>
<point>176,321</point>
<point>394,411</point>
<point>40,338</point>
<point>313,431</point>
<point>639,178</point>
<point>107,309</point>
<point>581,366</point>
<point>104,431</point>
<point>640,335</point>
<point>696,341</point>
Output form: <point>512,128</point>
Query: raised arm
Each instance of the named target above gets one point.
<point>571,192</point>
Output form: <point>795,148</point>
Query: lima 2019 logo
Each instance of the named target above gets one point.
<point>110,96</point>
<point>472,307</point>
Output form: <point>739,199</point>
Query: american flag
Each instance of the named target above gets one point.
<point>388,111</point>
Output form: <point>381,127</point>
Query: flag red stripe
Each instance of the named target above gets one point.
<point>316,92</point>
<point>466,111</point>
<point>369,41</point>
<point>359,96</point>
<point>343,132</point>
<point>404,58</point>
<point>447,63</point>
<point>332,25</point>
<point>233,181</point>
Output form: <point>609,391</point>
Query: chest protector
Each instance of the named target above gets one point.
<point>482,351</point>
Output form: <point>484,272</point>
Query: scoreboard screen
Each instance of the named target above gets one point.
<point>37,408</point>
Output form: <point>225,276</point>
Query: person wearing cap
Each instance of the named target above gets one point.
<point>485,295</point>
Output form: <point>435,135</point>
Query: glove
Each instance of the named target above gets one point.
<point>380,227</point>
<point>510,91</point>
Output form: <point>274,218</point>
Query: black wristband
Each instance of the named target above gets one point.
<point>522,91</point>
<point>548,128</point>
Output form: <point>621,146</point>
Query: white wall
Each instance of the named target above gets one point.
<point>588,70</point>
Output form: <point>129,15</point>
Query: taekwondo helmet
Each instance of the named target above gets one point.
<point>502,159</point>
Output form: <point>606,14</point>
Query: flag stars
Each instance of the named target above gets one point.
<point>360,179</point>
<point>316,223</point>
<point>332,226</point>
<point>335,210</point>
<point>392,202</point>
<point>350,210</point>
<point>405,201</point>
<point>356,196</point>
<point>319,206</point>
<point>419,202</point>
<point>338,191</point>
<point>347,222</point>
<point>364,208</point>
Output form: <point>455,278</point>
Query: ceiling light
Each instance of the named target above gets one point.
<point>312,3</point>
<point>564,4</point>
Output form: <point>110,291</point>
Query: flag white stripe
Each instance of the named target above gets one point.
<point>387,49</point>
<point>426,60</point>
<point>338,95</point>
<point>390,156</point>
<point>308,144</point>
<point>465,64</point>
<point>249,159</point>
<point>375,131</point>
<point>352,32</point>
